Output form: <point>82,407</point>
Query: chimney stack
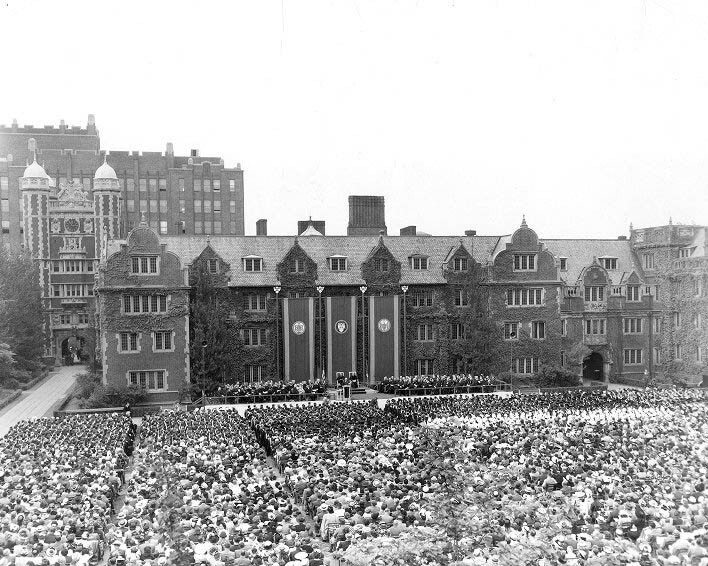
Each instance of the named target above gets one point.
<point>367,216</point>
<point>262,227</point>
<point>470,232</point>
<point>170,150</point>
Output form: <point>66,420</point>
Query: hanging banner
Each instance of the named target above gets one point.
<point>384,337</point>
<point>299,339</point>
<point>341,336</point>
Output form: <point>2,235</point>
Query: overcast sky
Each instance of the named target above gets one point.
<point>584,116</point>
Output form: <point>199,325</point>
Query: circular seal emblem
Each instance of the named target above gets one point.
<point>298,327</point>
<point>384,325</point>
<point>341,326</point>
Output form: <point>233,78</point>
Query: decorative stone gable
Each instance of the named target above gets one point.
<point>372,273</point>
<point>593,275</point>
<point>294,281</point>
<point>142,241</point>
<point>524,242</point>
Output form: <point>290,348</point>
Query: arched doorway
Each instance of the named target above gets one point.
<point>593,367</point>
<point>73,350</point>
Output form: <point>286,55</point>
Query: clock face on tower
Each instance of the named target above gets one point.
<point>71,225</point>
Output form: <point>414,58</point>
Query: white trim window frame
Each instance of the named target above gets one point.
<point>144,265</point>
<point>253,264</point>
<point>128,342</point>
<point>151,380</point>
<point>525,297</point>
<point>525,262</point>
<point>163,341</point>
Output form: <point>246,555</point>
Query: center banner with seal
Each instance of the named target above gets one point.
<point>341,336</point>
<point>384,337</point>
<point>299,339</point>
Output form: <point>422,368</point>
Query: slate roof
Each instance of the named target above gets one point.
<point>580,254</point>
<point>356,248</point>
<point>438,249</point>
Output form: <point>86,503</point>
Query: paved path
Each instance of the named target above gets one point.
<point>38,400</point>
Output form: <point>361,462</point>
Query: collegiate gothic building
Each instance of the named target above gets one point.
<point>65,230</point>
<point>314,305</point>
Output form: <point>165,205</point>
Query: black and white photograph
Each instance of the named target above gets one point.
<point>354,283</point>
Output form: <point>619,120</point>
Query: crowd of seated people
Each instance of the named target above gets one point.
<point>268,391</point>
<point>437,384</point>
<point>620,475</point>
<point>59,479</point>
<point>203,492</point>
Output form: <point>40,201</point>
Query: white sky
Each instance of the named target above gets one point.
<point>585,116</point>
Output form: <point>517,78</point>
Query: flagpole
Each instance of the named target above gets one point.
<point>363,335</point>
<point>277,338</point>
<point>320,288</point>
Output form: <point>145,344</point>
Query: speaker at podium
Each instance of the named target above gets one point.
<point>354,379</point>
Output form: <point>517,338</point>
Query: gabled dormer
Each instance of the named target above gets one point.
<point>381,268</point>
<point>210,262</point>
<point>297,268</point>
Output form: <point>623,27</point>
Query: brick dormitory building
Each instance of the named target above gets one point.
<point>314,305</point>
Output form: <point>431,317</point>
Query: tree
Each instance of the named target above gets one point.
<point>214,340</point>
<point>21,317</point>
<point>7,361</point>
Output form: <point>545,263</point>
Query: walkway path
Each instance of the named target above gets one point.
<point>38,400</point>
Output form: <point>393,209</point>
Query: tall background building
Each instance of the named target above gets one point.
<point>177,194</point>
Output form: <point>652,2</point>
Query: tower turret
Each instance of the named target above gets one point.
<point>106,206</point>
<point>34,184</point>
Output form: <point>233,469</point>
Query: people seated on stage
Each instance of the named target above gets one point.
<point>436,384</point>
<point>271,391</point>
<point>59,479</point>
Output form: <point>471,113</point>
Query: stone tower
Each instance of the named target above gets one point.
<point>35,207</point>
<point>106,205</point>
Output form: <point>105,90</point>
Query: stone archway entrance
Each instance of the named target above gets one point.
<point>594,367</point>
<point>73,350</point>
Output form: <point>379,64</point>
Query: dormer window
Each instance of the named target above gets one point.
<point>419,263</point>
<point>685,252</point>
<point>338,263</point>
<point>213,265</point>
<point>297,266</point>
<point>524,262</point>
<point>609,262</point>
<point>564,264</point>
<point>144,265</point>
<point>253,264</point>
<point>459,264</point>
<point>381,265</point>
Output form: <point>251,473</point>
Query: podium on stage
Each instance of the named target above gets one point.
<point>346,392</point>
